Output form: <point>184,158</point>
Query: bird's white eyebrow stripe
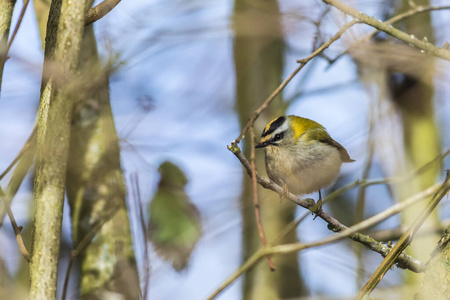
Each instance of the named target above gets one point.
<point>283,128</point>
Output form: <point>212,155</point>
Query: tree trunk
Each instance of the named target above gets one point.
<point>95,186</point>
<point>414,97</point>
<point>65,28</point>
<point>258,58</point>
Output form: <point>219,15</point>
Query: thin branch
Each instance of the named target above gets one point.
<point>138,199</point>
<point>302,62</point>
<point>361,196</point>
<point>329,42</point>
<point>410,13</point>
<point>17,229</point>
<point>289,227</point>
<point>97,12</point>
<point>28,143</point>
<point>404,241</point>
<point>414,11</point>
<point>250,262</point>
<point>24,161</point>
<point>440,191</point>
<point>361,199</point>
<point>16,29</point>
<point>403,36</point>
<point>394,234</point>
<point>19,22</point>
<point>262,235</point>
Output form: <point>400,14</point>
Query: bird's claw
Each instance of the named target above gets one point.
<point>316,209</point>
<point>285,193</point>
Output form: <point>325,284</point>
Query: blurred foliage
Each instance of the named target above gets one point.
<point>174,226</point>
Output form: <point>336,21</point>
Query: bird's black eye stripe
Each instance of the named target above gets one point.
<point>275,124</point>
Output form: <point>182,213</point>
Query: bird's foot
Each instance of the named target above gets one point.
<point>285,193</point>
<point>316,209</point>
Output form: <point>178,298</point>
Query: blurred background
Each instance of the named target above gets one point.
<point>187,76</point>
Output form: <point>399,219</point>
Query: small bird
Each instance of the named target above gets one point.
<point>301,156</point>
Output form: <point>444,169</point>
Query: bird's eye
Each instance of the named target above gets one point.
<point>277,137</point>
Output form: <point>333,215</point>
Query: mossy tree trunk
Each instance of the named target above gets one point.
<point>63,40</point>
<point>95,185</point>
<point>96,189</point>
<point>258,59</point>
<point>413,95</point>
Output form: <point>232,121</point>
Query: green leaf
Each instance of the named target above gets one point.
<point>174,226</point>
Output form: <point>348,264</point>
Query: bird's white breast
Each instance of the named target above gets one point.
<point>305,167</point>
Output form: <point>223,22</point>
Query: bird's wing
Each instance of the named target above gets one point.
<point>323,137</point>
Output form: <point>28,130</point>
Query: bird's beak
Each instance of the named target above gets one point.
<point>261,145</point>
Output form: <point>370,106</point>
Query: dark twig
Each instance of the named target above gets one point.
<point>97,12</point>
<point>17,229</point>
<point>302,62</point>
<point>262,235</point>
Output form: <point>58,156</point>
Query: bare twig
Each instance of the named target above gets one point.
<point>361,199</point>
<point>137,197</point>
<point>302,62</point>
<point>404,241</point>
<point>97,12</point>
<point>262,235</point>
<point>329,42</point>
<point>23,160</point>
<point>289,227</point>
<point>28,143</point>
<point>382,26</point>
<point>394,234</point>
<point>410,13</point>
<point>17,229</point>
<point>16,29</point>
